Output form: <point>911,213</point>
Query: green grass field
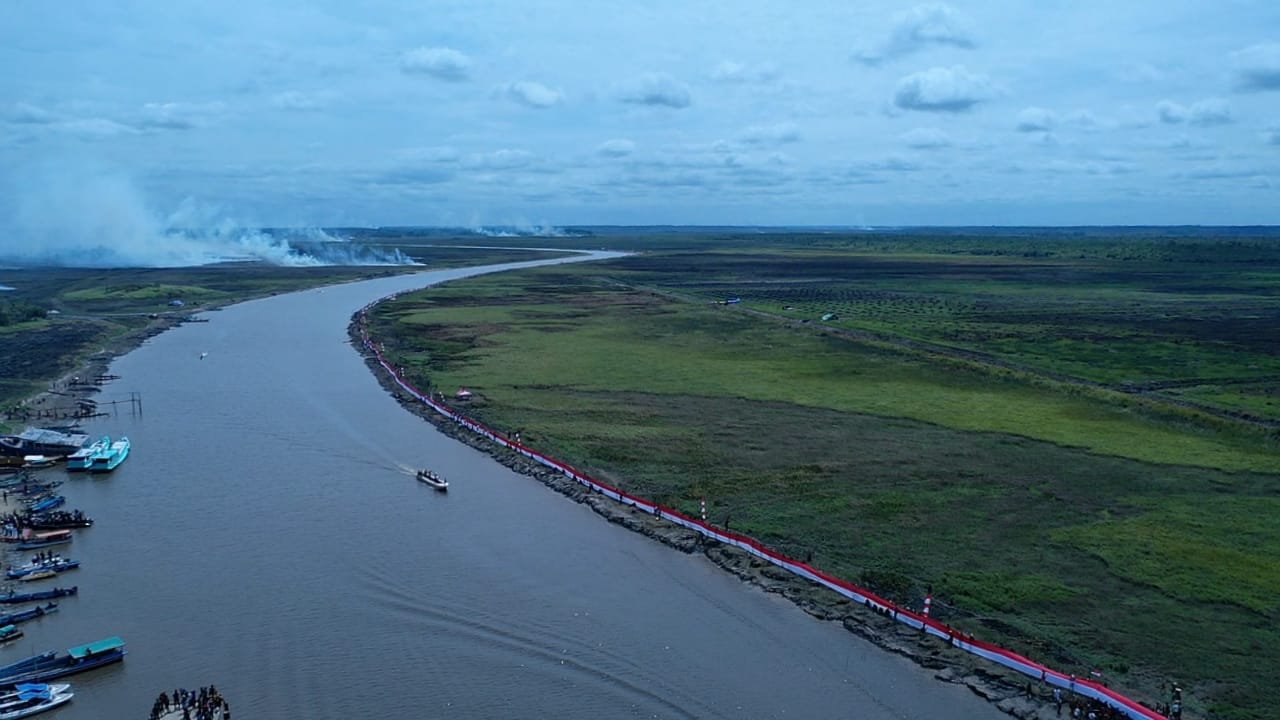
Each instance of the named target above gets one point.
<point>1089,531</point>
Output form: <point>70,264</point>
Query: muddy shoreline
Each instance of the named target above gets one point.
<point>1009,691</point>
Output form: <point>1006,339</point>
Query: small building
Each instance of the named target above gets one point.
<point>462,394</point>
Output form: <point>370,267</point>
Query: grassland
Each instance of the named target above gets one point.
<point>1048,481</point>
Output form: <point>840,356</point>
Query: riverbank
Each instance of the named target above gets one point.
<point>1009,691</point>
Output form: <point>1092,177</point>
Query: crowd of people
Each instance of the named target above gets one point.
<point>203,704</point>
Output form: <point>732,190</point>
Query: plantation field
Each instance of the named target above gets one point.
<point>1082,530</point>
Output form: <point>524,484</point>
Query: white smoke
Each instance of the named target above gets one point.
<point>102,220</point>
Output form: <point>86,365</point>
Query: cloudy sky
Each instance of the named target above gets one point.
<point>566,112</point>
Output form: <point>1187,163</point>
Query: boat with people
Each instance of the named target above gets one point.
<point>110,459</point>
<point>30,699</point>
<point>430,477</point>
<point>54,565</point>
<point>82,459</point>
<point>38,611</point>
<point>58,520</point>
<point>14,598</point>
<point>52,665</point>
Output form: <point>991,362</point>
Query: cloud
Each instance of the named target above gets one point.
<point>941,89</point>
<point>532,94</point>
<point>616,148</point>
<point>657,89</point>
<point>926,139</point>
<point>1035,119</point>
<point>1272,136</point>
<point>300,101</point>
<point>1213,111</point>
<point>28,114</point>
<point>175,115</point>
<point>777,134</point>
<point>441,63</point>
<point>504,159</point>
<point>739,73</point>
<point>919,27</point>
<point>95,128</point>
<point>1257,67</point>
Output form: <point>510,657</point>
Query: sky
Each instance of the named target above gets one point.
<point>146,115</point>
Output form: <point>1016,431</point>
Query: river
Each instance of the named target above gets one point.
<point>265,536</point>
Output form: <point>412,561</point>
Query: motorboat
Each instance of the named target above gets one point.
<point>429,477</point>
<point>110,459</point>
<point>28,702</point>
<point>82,459</point>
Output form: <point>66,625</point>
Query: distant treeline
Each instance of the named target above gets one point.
<point>13,312</point>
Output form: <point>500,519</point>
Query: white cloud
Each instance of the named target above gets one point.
<point>1257,67</point>
<point>1035,119</point>
<point>941,89</point>
<point>1213,111</point>
<point>777,134</point>
<point>734,72</point>
<point>504,159</point>
<point>95,128</point>
<point>1272,136</point>
<point>616,148</point>
<point>439,62</point>
<point>176,115</point>
<point>926,139</point>
<point>921,26</point>
<point>532,94</point>
<point>300,101</point>
<point>657,89</point>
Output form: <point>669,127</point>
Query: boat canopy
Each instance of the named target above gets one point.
<point>81,652</point>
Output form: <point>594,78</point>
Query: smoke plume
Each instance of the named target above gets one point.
<point>102,220</point>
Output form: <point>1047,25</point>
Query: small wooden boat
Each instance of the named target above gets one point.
<point>38,611</point>
<point>9,632</point>
<point>429,477</point>
<point>52,665</point>
<point>39,575</point>
<point>14,598</point>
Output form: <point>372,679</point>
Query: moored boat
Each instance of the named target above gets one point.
<point>41,441</point>
<point>49,666</point>
<point>82,459</point>
<point>38,611</point>
<point>13,598</point>
<point>429,477</point>
<point>35,541</point>
<point>110,459</point>
<point>27,701</point>
<point>58,520</point>
<point>53,566</point>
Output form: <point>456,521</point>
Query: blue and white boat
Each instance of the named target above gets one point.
<point>57,565</point>
<point>30,699</point>
<point>50,665</point>
<point>110,459</point>
<point>82,459</point>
